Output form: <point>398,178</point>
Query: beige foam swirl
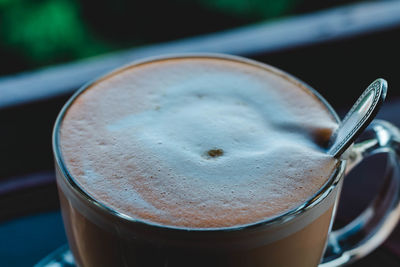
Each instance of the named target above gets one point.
<point>139,142</point>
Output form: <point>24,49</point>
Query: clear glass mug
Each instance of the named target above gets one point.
<point>101,236</point>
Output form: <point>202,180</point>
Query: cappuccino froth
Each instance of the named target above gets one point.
<point>198,143</point>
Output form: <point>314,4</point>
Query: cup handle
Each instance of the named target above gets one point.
<point>377,221</point>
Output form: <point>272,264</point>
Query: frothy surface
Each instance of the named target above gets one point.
<point>198,143</point>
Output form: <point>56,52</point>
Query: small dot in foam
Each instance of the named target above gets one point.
<point>215,152</point>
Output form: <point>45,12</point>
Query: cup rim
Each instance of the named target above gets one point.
<point>311,202</point>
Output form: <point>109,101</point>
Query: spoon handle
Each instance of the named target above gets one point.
<point>358,118</point>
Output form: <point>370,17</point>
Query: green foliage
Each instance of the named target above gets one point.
<point>5,2</point>
<point>40,32</point>
<point>45,31</point>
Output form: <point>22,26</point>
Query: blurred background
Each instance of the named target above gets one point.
<point>35,33</point>
<point>49,48</point>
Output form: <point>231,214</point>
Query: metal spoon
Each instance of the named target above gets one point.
<point>358,118</point>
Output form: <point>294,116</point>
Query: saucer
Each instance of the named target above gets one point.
<point>62,257</point>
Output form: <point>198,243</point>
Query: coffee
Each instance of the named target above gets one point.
<point>198,143</point>
<point>196,161</point>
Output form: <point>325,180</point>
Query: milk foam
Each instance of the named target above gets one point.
<point>140,142</point>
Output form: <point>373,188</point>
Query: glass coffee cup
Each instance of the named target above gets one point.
<point>100,235</point>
